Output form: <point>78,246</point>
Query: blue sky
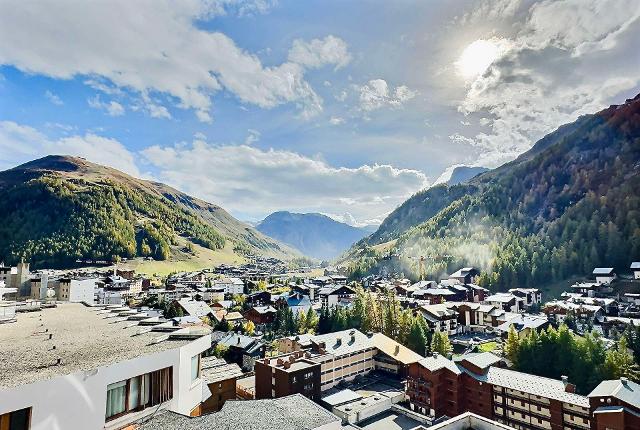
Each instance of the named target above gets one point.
<point>339,107</point>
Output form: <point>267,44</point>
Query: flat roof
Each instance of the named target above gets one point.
<point>294,412</point>
<point>84,340</point>
<point>341,397</point>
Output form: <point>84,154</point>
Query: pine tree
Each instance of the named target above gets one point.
<point>417,339</point>
<point>512,346</point>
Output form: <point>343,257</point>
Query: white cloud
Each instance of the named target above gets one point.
<point>252,137</point>
<point>565,59</point>
<point>336,120</point>
<point>377,93</point>
<point>320,52</point>
<point>166,52</point>
<point>53,98</point>
<point>112,107</point>
<point>247,179</point>
<point>22,143</point>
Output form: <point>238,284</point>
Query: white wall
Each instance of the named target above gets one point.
<point>82,290</point>
<point>78,400</point>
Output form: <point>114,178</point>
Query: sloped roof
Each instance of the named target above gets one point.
<point>603,270</point>
<point>195,308</point>
<point>438,362</point>
<point>532,384</point>
<point>635,265</point>
<point>347,344</point>
<point>395,350</point>
<point>628,391</point>
<point>480,359</point>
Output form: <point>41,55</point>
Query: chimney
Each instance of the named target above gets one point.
<point>565,380</point>
<point>238,340</point>
<point>397,349</point>
<point>287,365</point>
<point>292,358</point>
<point>339,341</point>
<point>279,362</point>
<point>369,334</point>
<point>435,354</point>
<point>624,380</point>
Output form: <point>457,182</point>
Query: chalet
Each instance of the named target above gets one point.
<point>592,289</point>
<point>194,308</point>
<point>475,317</point>
<point>531,296</point>
<point>243,350</point>
<point>259,298</point>
<point>441,318</point>
<point>261,315</point>
<point>608,305</point>
<point>635,269</point>
<point>331,295</point>
<point>434,295</point>
<point>231,285</point>
<point>466,275</point>
<point>506,301</point>
<point>584,313</point>
<point>604,275</point>
<point>298,303</point>
<point>523,324</point>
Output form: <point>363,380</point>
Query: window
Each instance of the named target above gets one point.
<point>16,420</point>
<point>138,393</point>
<point>195,367</point>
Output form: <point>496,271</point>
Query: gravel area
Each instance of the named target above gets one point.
<point>83,340</point>
<point>294,412</point>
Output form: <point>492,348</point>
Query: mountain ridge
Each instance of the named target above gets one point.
<point>68,184</point>
<point>569,203</point>
<point>314,234</point>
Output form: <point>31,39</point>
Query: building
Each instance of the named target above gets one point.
<point>294,412</point>
<point>76,367</point>
<point>506,301</point>
<point>531,296</point>
<point>298,303</point>
<point>475,317</point>
<point>466,275</point>
<point>434,295</point>
<point>635,269</point>
<point>604,275</point>
<point>219,383</point>
<point>523,324</point>
<point>440,318</point>
<point>476,383</point>
<point>346,354</point>
<point>466,421</point>
<point>261,315</point>
<point>194,308</point>
<point>333,295</point>
<point>243,350</point>
<point>615,404</point>
<point>288,374</point>
<point>77,290</point>
<point>231,285</point>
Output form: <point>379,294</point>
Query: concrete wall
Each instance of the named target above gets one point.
<point>78,400</point>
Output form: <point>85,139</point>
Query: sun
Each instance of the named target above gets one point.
<point>477,57</point>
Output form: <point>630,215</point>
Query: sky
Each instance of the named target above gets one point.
<point>341,107</point>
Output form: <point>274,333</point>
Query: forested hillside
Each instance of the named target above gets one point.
<point>569,204</point>
<point>56,210</point>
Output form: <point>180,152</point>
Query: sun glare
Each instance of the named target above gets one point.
<point>477,57</point>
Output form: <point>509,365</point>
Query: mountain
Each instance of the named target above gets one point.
<point>58,209</point>
<point>315,235</point>
<point>569,204</point>
<point>462,174</point>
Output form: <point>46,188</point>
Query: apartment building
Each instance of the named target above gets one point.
<point>345,354</point>
<point>477,383</point>
<point>440,318</point>
<point>77,367</point>
<point>77,290</point>
<point>288,374</point>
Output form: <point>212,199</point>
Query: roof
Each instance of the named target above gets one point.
<point>237,340</point>
<point>264,309</point>
<point>298,300</point>
<point>480,359</point>
<point>347,345</point>
<point>501,298</point>
<point>433,292</point>
<point>635,265</point>
<point>84,340</point>
<point>469,420</point>
<point>522,322</point>
<point>437,312</point>
<point>626,391</point>
<point>217,369</point>
<point>294,412</point>
<point>341,397</point>
<point>395,350</point>
<point>603,271</point>
<point>532,384</point>
<point>437,362</point>
<point>232,316</point>
<point>195,308</point>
